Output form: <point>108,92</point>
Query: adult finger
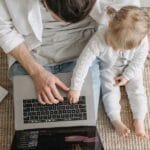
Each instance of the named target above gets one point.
<point>45,98</point>
<point>50,96</point>
<point>56,93</point>
<point>62,85</point>
<point>40,100</point>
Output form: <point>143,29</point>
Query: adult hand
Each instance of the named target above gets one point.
<point>46,85</point>
<point>45,82</point>
<point>73,96</point>
<point>120,81</point>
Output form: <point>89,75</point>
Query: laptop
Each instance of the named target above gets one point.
<point>60,126</point>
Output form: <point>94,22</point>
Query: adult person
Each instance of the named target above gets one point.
<point>46,36</point>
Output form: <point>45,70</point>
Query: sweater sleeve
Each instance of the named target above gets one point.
<point>9,37</point>
<point>137,63</point>
<point>88,55</point>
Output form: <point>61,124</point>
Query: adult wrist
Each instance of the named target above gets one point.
<point>35,69</point>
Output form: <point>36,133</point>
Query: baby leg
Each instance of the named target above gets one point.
<point>138,102</point>
<point>111,98</point>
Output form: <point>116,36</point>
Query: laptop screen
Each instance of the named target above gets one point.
<point>73,138</point>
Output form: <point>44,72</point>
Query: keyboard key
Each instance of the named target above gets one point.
<point>34,112</point>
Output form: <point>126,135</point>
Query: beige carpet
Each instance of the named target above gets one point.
<point>6,108</point>
<point>110,140</point>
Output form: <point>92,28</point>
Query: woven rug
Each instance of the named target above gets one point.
<point>109,138</point>
<point>6,107</point>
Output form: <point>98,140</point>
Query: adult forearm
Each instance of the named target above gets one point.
<point>45,82</point>
<point>23,56</point>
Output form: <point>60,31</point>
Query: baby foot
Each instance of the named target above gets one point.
<point>121,128</point>
<point>140,129</point>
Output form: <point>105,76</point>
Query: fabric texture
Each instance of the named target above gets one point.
<point>108,135</point>
<point>62,42</point>
<point>30,30</point>
<point>132,60</point>
<point>16,69</point>
<point>111,94</point>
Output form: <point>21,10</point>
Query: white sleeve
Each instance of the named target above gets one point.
<point>99,13</point>
<point>9,37</point>
<point>137,63</point>
<point>84,61</point>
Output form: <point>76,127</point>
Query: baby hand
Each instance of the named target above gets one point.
<point>120,81</point>
<point>73,96</point>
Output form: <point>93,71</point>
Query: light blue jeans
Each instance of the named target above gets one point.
<point>17,69</point>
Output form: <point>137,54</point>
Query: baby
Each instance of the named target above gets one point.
<point>122,48</point>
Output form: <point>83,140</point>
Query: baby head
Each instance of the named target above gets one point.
<point>127,27</point>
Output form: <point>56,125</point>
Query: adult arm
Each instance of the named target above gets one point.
<point>45,82</point>
<point>12,43</point>
<point>137,63</point>
<point>9,37</point>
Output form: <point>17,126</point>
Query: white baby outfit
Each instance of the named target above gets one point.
<point>129,63</point>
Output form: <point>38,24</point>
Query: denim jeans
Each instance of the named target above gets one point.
<point>17,69</point>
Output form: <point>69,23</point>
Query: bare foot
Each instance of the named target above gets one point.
<point>121,128</point>
<point>140,129</point>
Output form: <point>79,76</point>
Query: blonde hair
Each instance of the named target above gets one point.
<point>127,28</point>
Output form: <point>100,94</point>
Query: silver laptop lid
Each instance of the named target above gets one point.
<point>24,89</point>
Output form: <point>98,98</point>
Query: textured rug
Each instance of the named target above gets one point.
<point>6,107</point>
<point>110,140</point>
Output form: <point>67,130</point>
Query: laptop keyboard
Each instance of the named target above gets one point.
<point>34,112</point>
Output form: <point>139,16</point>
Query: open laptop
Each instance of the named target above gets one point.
<point>54,127</point>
